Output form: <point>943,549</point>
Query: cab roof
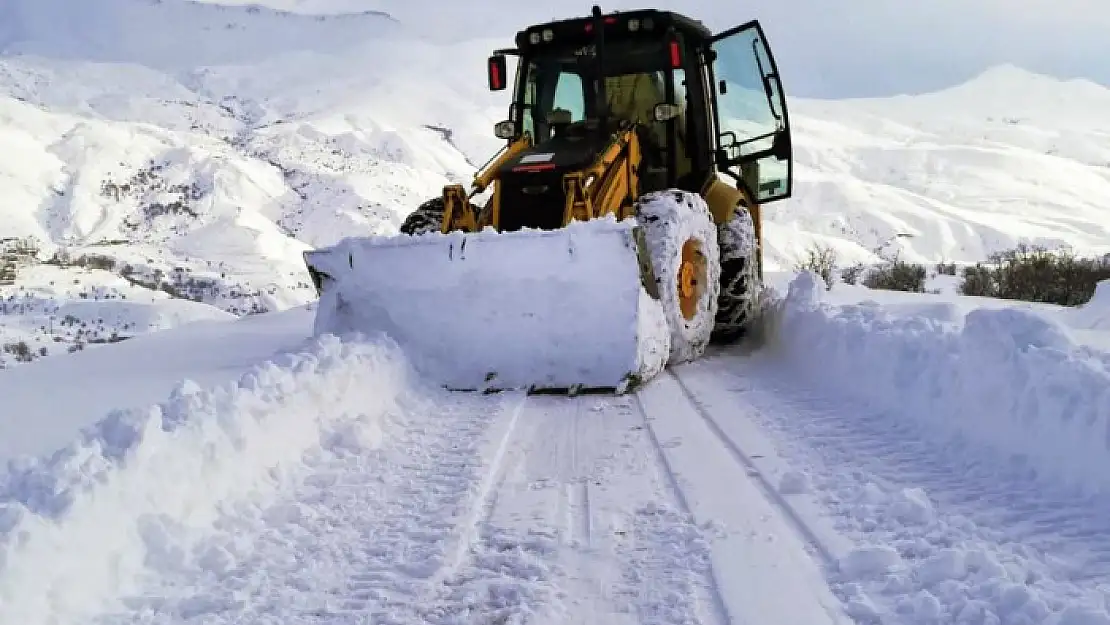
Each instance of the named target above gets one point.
<point>618,25</point>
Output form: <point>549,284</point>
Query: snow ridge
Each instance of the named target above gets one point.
<point>1011,380</point>
<point>141,488</point>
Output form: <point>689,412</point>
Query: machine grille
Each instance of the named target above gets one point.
<point>533,200</point>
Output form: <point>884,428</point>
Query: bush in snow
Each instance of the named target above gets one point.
<point>62,258</point>
<point>20,350</point>
<point>821,260</point>
<point>978,280</point>
<point>7,272</point>
<point>1035,274</point>
<point>851,274</point>
<point>946,269</point>
<point>897,275</point>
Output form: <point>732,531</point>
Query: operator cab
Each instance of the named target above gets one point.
<point>704,102</point>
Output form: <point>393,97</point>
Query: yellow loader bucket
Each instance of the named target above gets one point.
<point>566,309</point>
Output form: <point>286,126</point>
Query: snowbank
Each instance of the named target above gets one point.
<point>36,420</point>
<point>545,308</point>
<point>1095,314</point>
<point>139,488</point>
<point>1009,379</point>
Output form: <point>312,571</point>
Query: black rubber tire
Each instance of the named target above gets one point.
<point>738,301</point>
<point>669,218</point>
<point>428,217</point>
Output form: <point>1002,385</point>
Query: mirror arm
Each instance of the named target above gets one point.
<point>754,156</point>
<point>780,149</point>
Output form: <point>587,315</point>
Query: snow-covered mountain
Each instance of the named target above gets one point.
<point>1009,156</point>
<point>168,160</point>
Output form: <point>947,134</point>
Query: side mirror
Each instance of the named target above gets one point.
<point>496,70</point>
<point>665,112</point>
<point>505,130</point>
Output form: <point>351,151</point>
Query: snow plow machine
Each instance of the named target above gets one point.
<point>616,232</point>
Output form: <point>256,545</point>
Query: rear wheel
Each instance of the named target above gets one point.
<point>428,217</point>
<point>740,283</point>
<point>686,260</point>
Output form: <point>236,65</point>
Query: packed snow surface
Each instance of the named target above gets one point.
<point>528,308</point>
<point>330,481</point>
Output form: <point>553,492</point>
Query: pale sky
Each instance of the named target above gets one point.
<point>838,48</point>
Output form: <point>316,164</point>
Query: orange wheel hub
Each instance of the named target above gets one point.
<point>691,278</point>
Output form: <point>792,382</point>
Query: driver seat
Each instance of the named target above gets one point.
<point>633,97</point>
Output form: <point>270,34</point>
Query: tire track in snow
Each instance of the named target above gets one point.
<point>583,477</point>
<point>799,523</point>
<point>437,598</point>
<point>496,573</point>
<point>469,509</point>
<point>482,509</point>
<point>714,609</point>
<point>968,534</point>
<point>759,545</point>
<point>373,534</point>
<point>578,495</point>
<point>424,595</point>
<point>580,514</point>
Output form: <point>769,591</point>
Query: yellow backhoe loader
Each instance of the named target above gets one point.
<point>617,231</point>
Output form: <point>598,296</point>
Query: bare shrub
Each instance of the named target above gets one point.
<point>820,259</point>
<point>946,269</point>
<point>1035,274</point>
<point>852,273</point>
<point>897,275</point>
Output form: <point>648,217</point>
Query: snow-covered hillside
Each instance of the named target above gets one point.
<point>198,167</point>
<point>165,177</point>
<point>1007,157</point>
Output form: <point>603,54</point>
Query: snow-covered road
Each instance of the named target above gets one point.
<point>507,508</point>
<point>845,472</point>
<point>923,529</point>
<point>723,492</point>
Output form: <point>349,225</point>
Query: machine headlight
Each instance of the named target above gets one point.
<point>548,35</point>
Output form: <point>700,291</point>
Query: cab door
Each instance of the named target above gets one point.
<point>753,128</point>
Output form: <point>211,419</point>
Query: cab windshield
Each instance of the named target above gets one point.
<point>563,83</point>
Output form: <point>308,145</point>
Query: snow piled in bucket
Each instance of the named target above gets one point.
<point>140,489</point>
<point>545,308</point>
<point>1007,378</point>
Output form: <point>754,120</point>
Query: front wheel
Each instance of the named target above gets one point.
<point>685,258</point>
